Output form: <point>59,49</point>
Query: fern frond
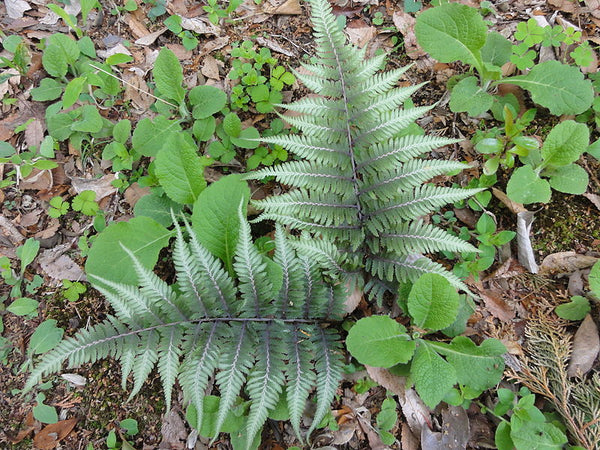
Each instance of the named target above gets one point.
<point>237,332</point>
<point>362,175</point>
<point>266,380</point>
<point>329,369</point>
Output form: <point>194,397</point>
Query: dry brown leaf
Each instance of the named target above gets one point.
<point>290,7</point>
<point>215,44</point>
<point>406,26</point>
<point>454,434</point>
<point>353,300</point>
<point>34,133</point>
<point>413,408</point>
<point>210,68</point>
<point>594,198</point>
<point>466,216</point>
<point>173,431</point>
<point>16,8</point>
<point>563,5</point>
<point>31,218</point>
<point>345,432</point>
<point>135,91</point>
<point>134,192</point>
<point>497,306</point>
<point>514,207</point>
<point>59,266</point>
<point>101,186</point>
<point>8,230</point>
<point>138,29</point>
<point>360,33</point>
<point>50,436</point>
<point>150,38</point>
<point>407,439</point>
<point>38,180</point>
<point>50,229</point>
<point>586,345</point>
<point>565,262</point>
<point>199,25</point>
<point>594,6</point>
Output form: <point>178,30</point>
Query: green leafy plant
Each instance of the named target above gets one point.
<point>565,143</point>
<point>579,306</point>
<point>22,305</point>
<point>530,34</point>
<point>360,184</point>
<point>58,207</point>
<point>261,79</point>
<point>432,305</point>
<point>86,203</point>
<point>23,163</point>
<point>73,289</point>
<point>455,32</point>
<point>21,55</point>
<point>386,420</point>
<point>189,41</point>
<point>526,426</point>
<point>216,12</point>
<point>258,324</point>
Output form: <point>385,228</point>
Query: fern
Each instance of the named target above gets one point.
<point>262,329</point>
<point>360,184</point>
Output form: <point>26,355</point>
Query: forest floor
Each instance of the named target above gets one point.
<point>567,228</point>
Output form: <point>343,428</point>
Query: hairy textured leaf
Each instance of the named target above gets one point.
<point>558,87</point>
<point>168,75</point>
<point>380,341</point>
<point>525,186</point>
<point>150,136</point>
<point>215,217</point>
<point>433,302</point>
<point>565,143</point>
<point>142,235</point>
<point>477,367</point>
<point>452,32</point>
<point>570,179</point>
<point>180,170</point>
<point>434,377</point>
<point>468,96</point>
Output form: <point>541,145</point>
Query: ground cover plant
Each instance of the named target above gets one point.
<point>374,216</point>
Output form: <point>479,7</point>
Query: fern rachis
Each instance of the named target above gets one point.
<point>360,184</point>
<point>244,331</point>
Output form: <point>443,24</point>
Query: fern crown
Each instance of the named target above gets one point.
<point>264,332</point>
<point>359,182</point>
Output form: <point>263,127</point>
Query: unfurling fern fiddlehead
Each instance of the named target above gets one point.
<point>262,329</point>
<point>360,184</point>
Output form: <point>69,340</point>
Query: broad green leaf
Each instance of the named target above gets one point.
<point>380,341</point>
<point>502,438</point>
<point>576,309</point>
<point>141,235</point>
<point>215,216</point>
<point>27,252</point>
<point>72,91</point>
<point>149,137</point>
<point>44,413</point>
<point>594,279</point>
<point>157,207</point>
<point>23,306</point>
<point>433,302</point>
<point>122,130</point>
<point>67,46</point>
<point>232,125</point>
<point>497,49</point>
<point>59,125</point>
<point>539,436</point>
<point>525,187</point>
<point>55,62</point>
<point>594,149</point>
<point>468,96</point>
<point>207,100</point>
<point>90,120</point>
<point>118,58</point>
<point>168,75</point>
<point>570,179</point>
<point>86,47</point>
<point>45,337</point>
<point>565,143</point>
<point>203,129</point>
<point>452,32</point>
<point>179,169</point>
<point>434,377</point>
<point>479,368</point>
<point>49,89</point>
<point>248,138</point>
<point>558,87</point>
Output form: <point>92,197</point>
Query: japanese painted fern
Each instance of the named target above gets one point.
<point>262,329</point>
<point>360,184</point>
